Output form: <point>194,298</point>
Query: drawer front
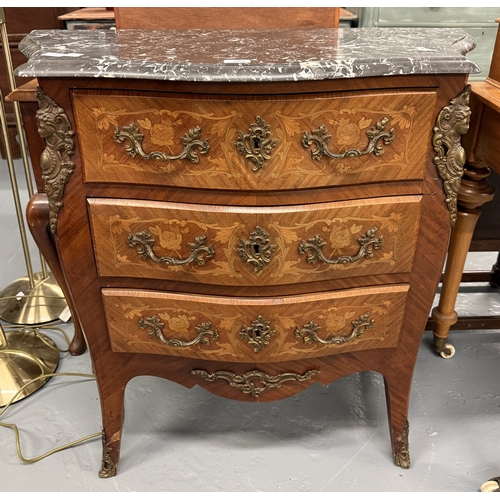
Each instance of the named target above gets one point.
<point>254,330</point>
<point>255,143</point>
<point>242,246</point>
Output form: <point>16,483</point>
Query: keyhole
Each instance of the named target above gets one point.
<point>256,249</point>
<point>256,143</point>
<point>257,334</point>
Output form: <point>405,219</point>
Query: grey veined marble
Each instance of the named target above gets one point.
<point>245,56</point>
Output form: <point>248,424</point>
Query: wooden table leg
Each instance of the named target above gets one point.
<point>474,192</point>
<point>397,391</point>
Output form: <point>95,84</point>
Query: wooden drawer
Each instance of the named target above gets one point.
<point>162,125</point>
<point>254,330</point>
<point>247,246</point>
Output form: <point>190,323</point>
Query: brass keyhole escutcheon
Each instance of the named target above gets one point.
<point>258,334</point>
<point>257,250</point>
<point>257,145</point>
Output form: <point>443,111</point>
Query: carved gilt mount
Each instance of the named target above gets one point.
<point>108,467</point>
<point>57,167</point>
<point>402,457</point>
<point>451,124</point>
<point>255,382</point>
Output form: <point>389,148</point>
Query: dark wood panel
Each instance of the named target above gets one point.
<point>19,21</point>
<point>225,17</point>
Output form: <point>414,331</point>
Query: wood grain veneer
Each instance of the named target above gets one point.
<point>381,310</point>
<point>173,227</point>
<point>163,120</point>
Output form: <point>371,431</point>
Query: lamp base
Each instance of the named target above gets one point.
<point>25,358</point>
<point>32,306</point>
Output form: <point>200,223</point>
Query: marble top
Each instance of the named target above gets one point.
<point>246,55</point>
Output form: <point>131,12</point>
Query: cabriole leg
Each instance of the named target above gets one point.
<point>397,392</point>
<point>112,417</point>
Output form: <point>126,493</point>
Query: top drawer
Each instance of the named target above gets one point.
<point>254,143</point>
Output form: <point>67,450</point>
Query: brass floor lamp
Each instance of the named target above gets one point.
<point>35,299</point>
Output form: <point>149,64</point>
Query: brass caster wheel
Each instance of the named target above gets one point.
<point>447,351</point>
<point>491,486</point>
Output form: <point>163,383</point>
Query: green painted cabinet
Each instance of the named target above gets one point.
<point>478,21</point>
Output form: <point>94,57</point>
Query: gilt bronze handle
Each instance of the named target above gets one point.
<point>309,332</point>
<point>155,331</point>
<point>320,139</point>
<point>145,243</point>
<point>367,243</point>
<point>190,141</point>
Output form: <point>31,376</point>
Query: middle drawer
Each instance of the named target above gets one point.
<point>248,246</point>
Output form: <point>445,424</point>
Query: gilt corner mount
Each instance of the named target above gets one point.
<point>57,167</point>
<point>451,124</point>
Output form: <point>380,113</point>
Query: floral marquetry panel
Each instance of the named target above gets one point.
<point>252,143</point>
<point>218,328</point>
<point>244,246</point>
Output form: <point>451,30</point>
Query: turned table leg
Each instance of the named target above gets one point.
<point>37,217</point>
<point>474,192</point>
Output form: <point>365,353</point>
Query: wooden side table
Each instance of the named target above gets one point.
<point>481,148</point>
<point>89,18</point>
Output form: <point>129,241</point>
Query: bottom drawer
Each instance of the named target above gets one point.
<point>254,329</point>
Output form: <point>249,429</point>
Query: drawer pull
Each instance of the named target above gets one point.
<point>190,141</point>
<point>257,145</point>
<point>155,331</point>
<point>255,382</point>
<point>257,250</point>
<point>259,334</point>
<point>145,243</point>
<point>320,138</point>
<point>367,243</point>
<point>310,331</point>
